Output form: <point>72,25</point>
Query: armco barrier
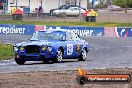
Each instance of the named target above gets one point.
<point>16,29</point>
<point>82,31</point>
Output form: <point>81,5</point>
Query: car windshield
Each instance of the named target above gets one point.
<point>48,35</point>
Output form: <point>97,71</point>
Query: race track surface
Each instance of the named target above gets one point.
<point>105,52</point>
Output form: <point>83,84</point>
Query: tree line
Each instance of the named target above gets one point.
<point>121,3</point>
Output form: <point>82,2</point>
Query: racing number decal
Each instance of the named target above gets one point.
<point>69,49</point>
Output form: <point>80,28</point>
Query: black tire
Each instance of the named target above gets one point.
<point>83,55</point>
<point>59,56</point>
<point>81,80</point>
<point>20,62</point>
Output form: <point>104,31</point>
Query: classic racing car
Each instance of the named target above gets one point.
<point>51,45</point>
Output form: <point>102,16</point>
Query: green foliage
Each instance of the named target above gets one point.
<point>6,51</point>
<point>123,3</point>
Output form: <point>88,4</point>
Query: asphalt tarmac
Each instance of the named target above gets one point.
<point>105,52</point>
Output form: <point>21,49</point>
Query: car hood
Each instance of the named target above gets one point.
<point>39,43</point>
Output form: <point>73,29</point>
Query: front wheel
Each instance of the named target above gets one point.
<point>19,61</point>
<point>83,55</point>
<point>59,56</point>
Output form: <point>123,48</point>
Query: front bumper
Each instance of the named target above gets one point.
<point>35,57</point>
<point>34,53</point>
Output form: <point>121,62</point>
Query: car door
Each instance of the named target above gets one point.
<point>77,43</point>
<point>75,11</point>
<point>69,11</point>
<point>70,47</point>
<point>73,45</point>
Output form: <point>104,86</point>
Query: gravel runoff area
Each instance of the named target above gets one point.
<point>58,79</point>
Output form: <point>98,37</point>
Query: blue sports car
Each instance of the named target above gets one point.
<point>51,45</point>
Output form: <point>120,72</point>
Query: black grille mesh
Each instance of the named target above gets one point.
<point>32,49</point>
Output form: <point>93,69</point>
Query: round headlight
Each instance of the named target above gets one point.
<point>16,48</point>
<point>49,49</point>
<point>43,48</point>
<point>21,48</point>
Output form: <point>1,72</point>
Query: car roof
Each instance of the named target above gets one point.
<point>53,30</point>
<point>68,6</point>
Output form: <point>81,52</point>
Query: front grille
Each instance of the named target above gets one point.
<point>32,49</point>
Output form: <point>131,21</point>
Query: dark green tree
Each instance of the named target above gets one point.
<point>123,3</point>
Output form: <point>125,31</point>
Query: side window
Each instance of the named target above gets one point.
<point>72,36</point>
<point>35,36</point>
<point>75,36</point>
<point>76,8</point>
<point>68,36</point>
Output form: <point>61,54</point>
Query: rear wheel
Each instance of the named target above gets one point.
<point>20,62</point>
<point>83,55</point>
<point>59,56</point>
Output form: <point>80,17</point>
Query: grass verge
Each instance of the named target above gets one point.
<point>6,51</point>
<point>69,23</point>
